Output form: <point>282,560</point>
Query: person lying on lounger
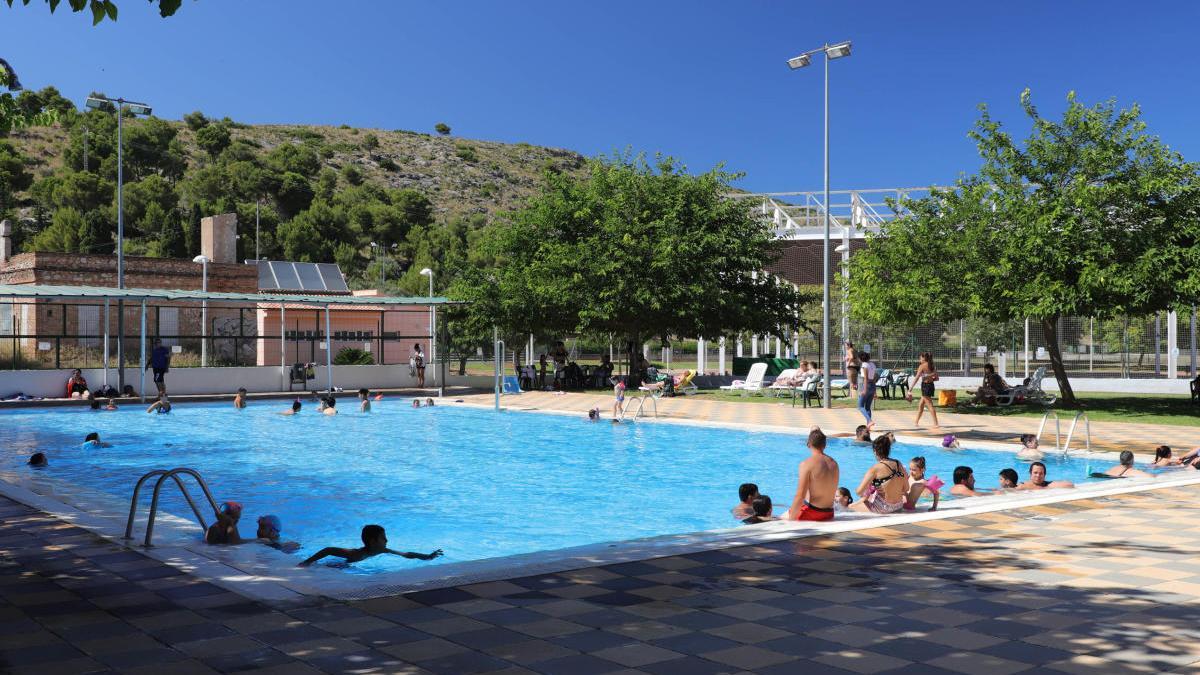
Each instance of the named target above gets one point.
<point>374,540</point>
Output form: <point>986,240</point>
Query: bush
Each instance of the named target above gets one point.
<point>195,120</point>
<point>466,153</point>
<point>349,356</point>
<point>370,142</point>
<point>442,128</point>
<point>388,165</point>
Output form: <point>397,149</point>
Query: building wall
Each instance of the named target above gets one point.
<point>303,326</point>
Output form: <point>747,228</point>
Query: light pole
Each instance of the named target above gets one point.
<point>832,51</point>
<point>375,252</point>
<point>844,249</point>
<point>203,260</point>
<point>432,343</point>
<point>257,204</point>
<point>98,103</point>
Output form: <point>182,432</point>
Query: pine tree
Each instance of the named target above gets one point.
<point>172,240</point>
<point>191,233</point>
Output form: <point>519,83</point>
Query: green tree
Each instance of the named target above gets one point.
<point>106,9</point>
<point>295,194</point>
<point>13,115</point>
<point>1090,216</point>
<point>352,175</point>
<point>213,139</point>
<point>62,235</point>
<point>195,120</point>
<point>171,242</point>
<point>96,233</point>
<point>632,250</point>
<point>442,128</point>
<point>191,232</point>
<point>13,176</point>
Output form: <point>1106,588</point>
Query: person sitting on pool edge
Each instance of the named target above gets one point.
<point>374,540</point>
<point>746,494</point>
<point>225,530</point>
<point>93,440</point>
<point>816,483</point>
<point>964,483</point>
<point>38,460</point>
<point>762,511</point>
<point>1009,480</point>
<point>1037,479</point>
<point>77,386</point>
<point>364,397</point>
<point>918,485</point>
<point>1125,469</point>
<point>269,529</point>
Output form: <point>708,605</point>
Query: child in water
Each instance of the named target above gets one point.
<point>374,540</point>
<point>364,397</point>
<point>269,529</point>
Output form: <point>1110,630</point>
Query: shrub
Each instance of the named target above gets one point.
<point>466,153</point>
<point>442,128</point>
<point>370,142</point>
<point>388,165</point>
<point>349,356</point>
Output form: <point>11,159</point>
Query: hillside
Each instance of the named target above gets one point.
<point>460,176</point>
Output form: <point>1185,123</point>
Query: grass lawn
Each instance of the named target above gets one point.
<point>1177,410</point>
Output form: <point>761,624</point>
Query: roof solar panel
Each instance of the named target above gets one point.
<point>285,274</point>
<point>332,274</point>
<point>266,279</point>
<point>310,278</point>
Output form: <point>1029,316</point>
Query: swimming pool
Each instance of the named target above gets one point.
<point>476,483</point>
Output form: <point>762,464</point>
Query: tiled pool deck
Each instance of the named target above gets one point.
<point>1099,585</point>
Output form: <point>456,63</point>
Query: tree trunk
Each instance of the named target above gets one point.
<point>462,365</point>
<point>1050,331</point>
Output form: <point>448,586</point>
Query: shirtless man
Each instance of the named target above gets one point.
<point>964,483</point>
<point>1037,479</point>
<point>817,484</point>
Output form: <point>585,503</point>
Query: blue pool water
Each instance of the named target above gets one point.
<point>476,483</point>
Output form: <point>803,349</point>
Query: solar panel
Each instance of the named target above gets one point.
<point>332,274</point>
<point>286,275</point>
<point>310,278</point>
<point>266,279</point>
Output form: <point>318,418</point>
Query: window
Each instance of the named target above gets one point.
<point>168,325</point>
<point>88,325</point>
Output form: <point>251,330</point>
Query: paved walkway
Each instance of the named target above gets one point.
<point>1141,438</point>
<point>1095,586</point>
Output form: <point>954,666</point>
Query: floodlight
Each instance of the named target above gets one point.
<point>138,108</point>
<point>841,248</point>
<point>202,259</point>
<point>799,61</point>
<point>838,51</point>
<point>96,103</point>
<point>427,272</point>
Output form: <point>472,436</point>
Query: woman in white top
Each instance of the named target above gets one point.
<point>866,392</point>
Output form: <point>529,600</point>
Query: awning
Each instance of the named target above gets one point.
<point>139,294</point>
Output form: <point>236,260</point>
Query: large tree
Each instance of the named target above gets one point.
<point>1089,216</point>
<point>106,9</point>
<point>632,250</point>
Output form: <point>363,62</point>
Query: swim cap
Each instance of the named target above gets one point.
<point>272,522</point>
<point>948,440</point>
<point>231,507</point>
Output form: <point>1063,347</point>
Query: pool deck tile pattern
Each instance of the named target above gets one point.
<point>1141,438</point>
<point>1103,585</point>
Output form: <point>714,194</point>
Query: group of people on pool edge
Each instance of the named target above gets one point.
<point>887,487</point>
<point>374,538</point>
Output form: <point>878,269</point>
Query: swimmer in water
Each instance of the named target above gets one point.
<point>224,530</point>
<point>374,540</point>
<point>416,403</point>
<point>296,406</point>
<point>239,399</point>
<point>428,403</point>
<point>93,440</point>
<point>161,406</point>
<point>364,398</point>
<point>269,530</point>
<point>1029,448</point>
<point>328,406</point>
<point>38,460</point>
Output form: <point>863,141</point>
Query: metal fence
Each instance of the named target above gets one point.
<point>54,335</point>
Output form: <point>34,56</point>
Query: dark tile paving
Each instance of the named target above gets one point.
<point>1027,594</point>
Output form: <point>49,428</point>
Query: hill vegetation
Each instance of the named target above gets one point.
<point>324,193</point>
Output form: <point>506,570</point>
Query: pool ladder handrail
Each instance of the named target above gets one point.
<point>641,405</point>
<point>1059,446</point>
<point>163,475</point>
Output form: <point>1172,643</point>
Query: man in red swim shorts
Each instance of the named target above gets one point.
<point>817,483</point>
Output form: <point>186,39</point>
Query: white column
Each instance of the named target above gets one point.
<point>1172,345</point>
<point>328,351</point>
<point>142,365</point>
<point>753,346</point>
<point>283,369</point>
<point>795,344</point>
<point>700,355</point>
<point>1026,346</point>
<point>105,342</point>
<point>721,357</point>
<point>737,347</point>
<point>646,350</point>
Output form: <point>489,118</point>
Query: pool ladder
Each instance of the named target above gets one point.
<point>1065,447</point>
<point>641,405</point>
<point>163,475</point>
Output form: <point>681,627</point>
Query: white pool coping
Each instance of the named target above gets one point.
<point>262,573</point>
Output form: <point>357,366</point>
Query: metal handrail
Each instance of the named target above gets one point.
<point>1087,426</point>
<point>138,488</point>
<point>641,405</point>
<point>1057,430</point>
<point>158,489</point>
<point>499,370</point>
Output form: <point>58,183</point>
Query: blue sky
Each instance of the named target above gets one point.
<point>701,80</point>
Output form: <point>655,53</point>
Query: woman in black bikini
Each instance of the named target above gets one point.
<point>1125,468</point>
<point>879,492</point>
<point>926,376</point>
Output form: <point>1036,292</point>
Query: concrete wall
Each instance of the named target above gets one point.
<point>1081,384</point>
<point>181,381</point>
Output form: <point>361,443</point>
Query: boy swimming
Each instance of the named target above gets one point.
<point>364,398</point>
<point>269,529</point>
<point>374,540</point>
